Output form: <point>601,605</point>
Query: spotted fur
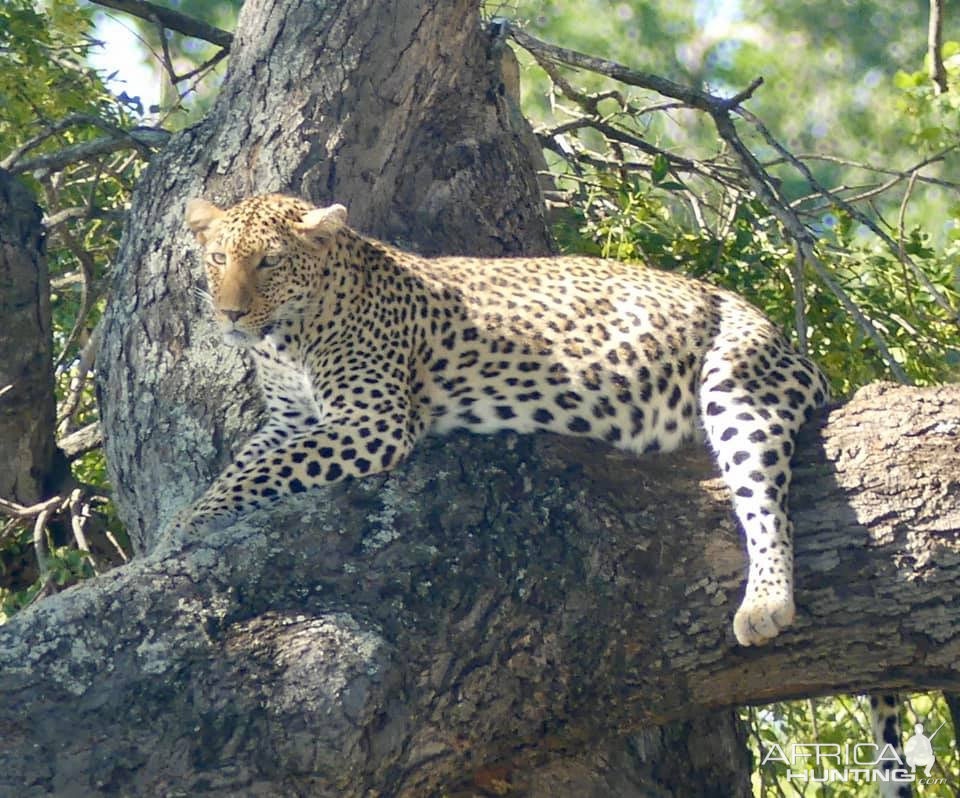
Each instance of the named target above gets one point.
<point>362,348</point>
<point>885,720</point>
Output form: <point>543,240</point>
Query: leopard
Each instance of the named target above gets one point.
<point>362,348</point>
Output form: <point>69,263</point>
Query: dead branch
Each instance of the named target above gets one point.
<point>83,440</point>
<point>174,20</point>
<point>79,515</point>
<point>78,380</point>
<point>21,511</point>
<point>52,129</point>
<point>854,212</point>
<point>88,295</point>
<point>937,71</point>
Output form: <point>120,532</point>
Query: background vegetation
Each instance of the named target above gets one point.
<point>855,130</point>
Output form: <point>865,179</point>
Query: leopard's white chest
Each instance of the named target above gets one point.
<point>286,384</point>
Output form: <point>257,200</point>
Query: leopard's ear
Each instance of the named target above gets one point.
<point>200,215</point>
<point>321,223</point>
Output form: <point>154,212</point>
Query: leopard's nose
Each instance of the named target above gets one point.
<point>233,315</point>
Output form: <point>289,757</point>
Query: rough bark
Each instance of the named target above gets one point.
<point>27,406</point>
<point>491,607</point>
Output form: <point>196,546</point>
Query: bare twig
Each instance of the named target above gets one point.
<point>71,120</point>
<point>208,64</point>
<point>78,379</point>
<point>684,164</point>
<point>854,212</point>
<point>87,293</point>
<point>799,298</point>
<point>112,538</point>
<point>588,102</point>
<point>901,235</point>
<point>167,60</point>
<point>79,514</point>
<point>938,73</point>
<point>40,544</point>
<point>21,511</point>
<point>70,214</point>
<point>696,208</point>
<point>633,77</point>
<point>174,20</point>
<point>870,190</point>
<point>902,174</point>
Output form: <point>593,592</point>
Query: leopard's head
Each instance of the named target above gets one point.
<point>265,260</point>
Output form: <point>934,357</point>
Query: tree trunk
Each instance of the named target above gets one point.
<point>27,405</point>
<point>395,109</point>
<point>492,606</point>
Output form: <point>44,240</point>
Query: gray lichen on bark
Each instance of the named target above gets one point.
<point>500,605</point>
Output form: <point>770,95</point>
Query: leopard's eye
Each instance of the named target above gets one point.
<point>219,258</point>
<point>267,261</point>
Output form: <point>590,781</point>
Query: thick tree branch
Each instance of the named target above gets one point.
<point>487,601</point>
<point>143,139</point>
<point>174,20</point>
<point>70,120</point>
<point>81,441</point>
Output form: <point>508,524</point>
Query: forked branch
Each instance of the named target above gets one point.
<point>761,183</point>
<point>174,20</point>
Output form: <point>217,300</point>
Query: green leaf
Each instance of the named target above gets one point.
<point>659,169</point>
<point>908,80</point>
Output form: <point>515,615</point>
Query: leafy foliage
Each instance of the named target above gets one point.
<point>44,72</point>
<point>756,262</point>
<point>792,729</point>
<point>932,116</point>
<point>51,102</point>
<point>51,97</point>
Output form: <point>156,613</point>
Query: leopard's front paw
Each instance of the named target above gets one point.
<point>762,616</point>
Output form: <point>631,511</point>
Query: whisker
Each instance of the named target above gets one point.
<point>203,296</point>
